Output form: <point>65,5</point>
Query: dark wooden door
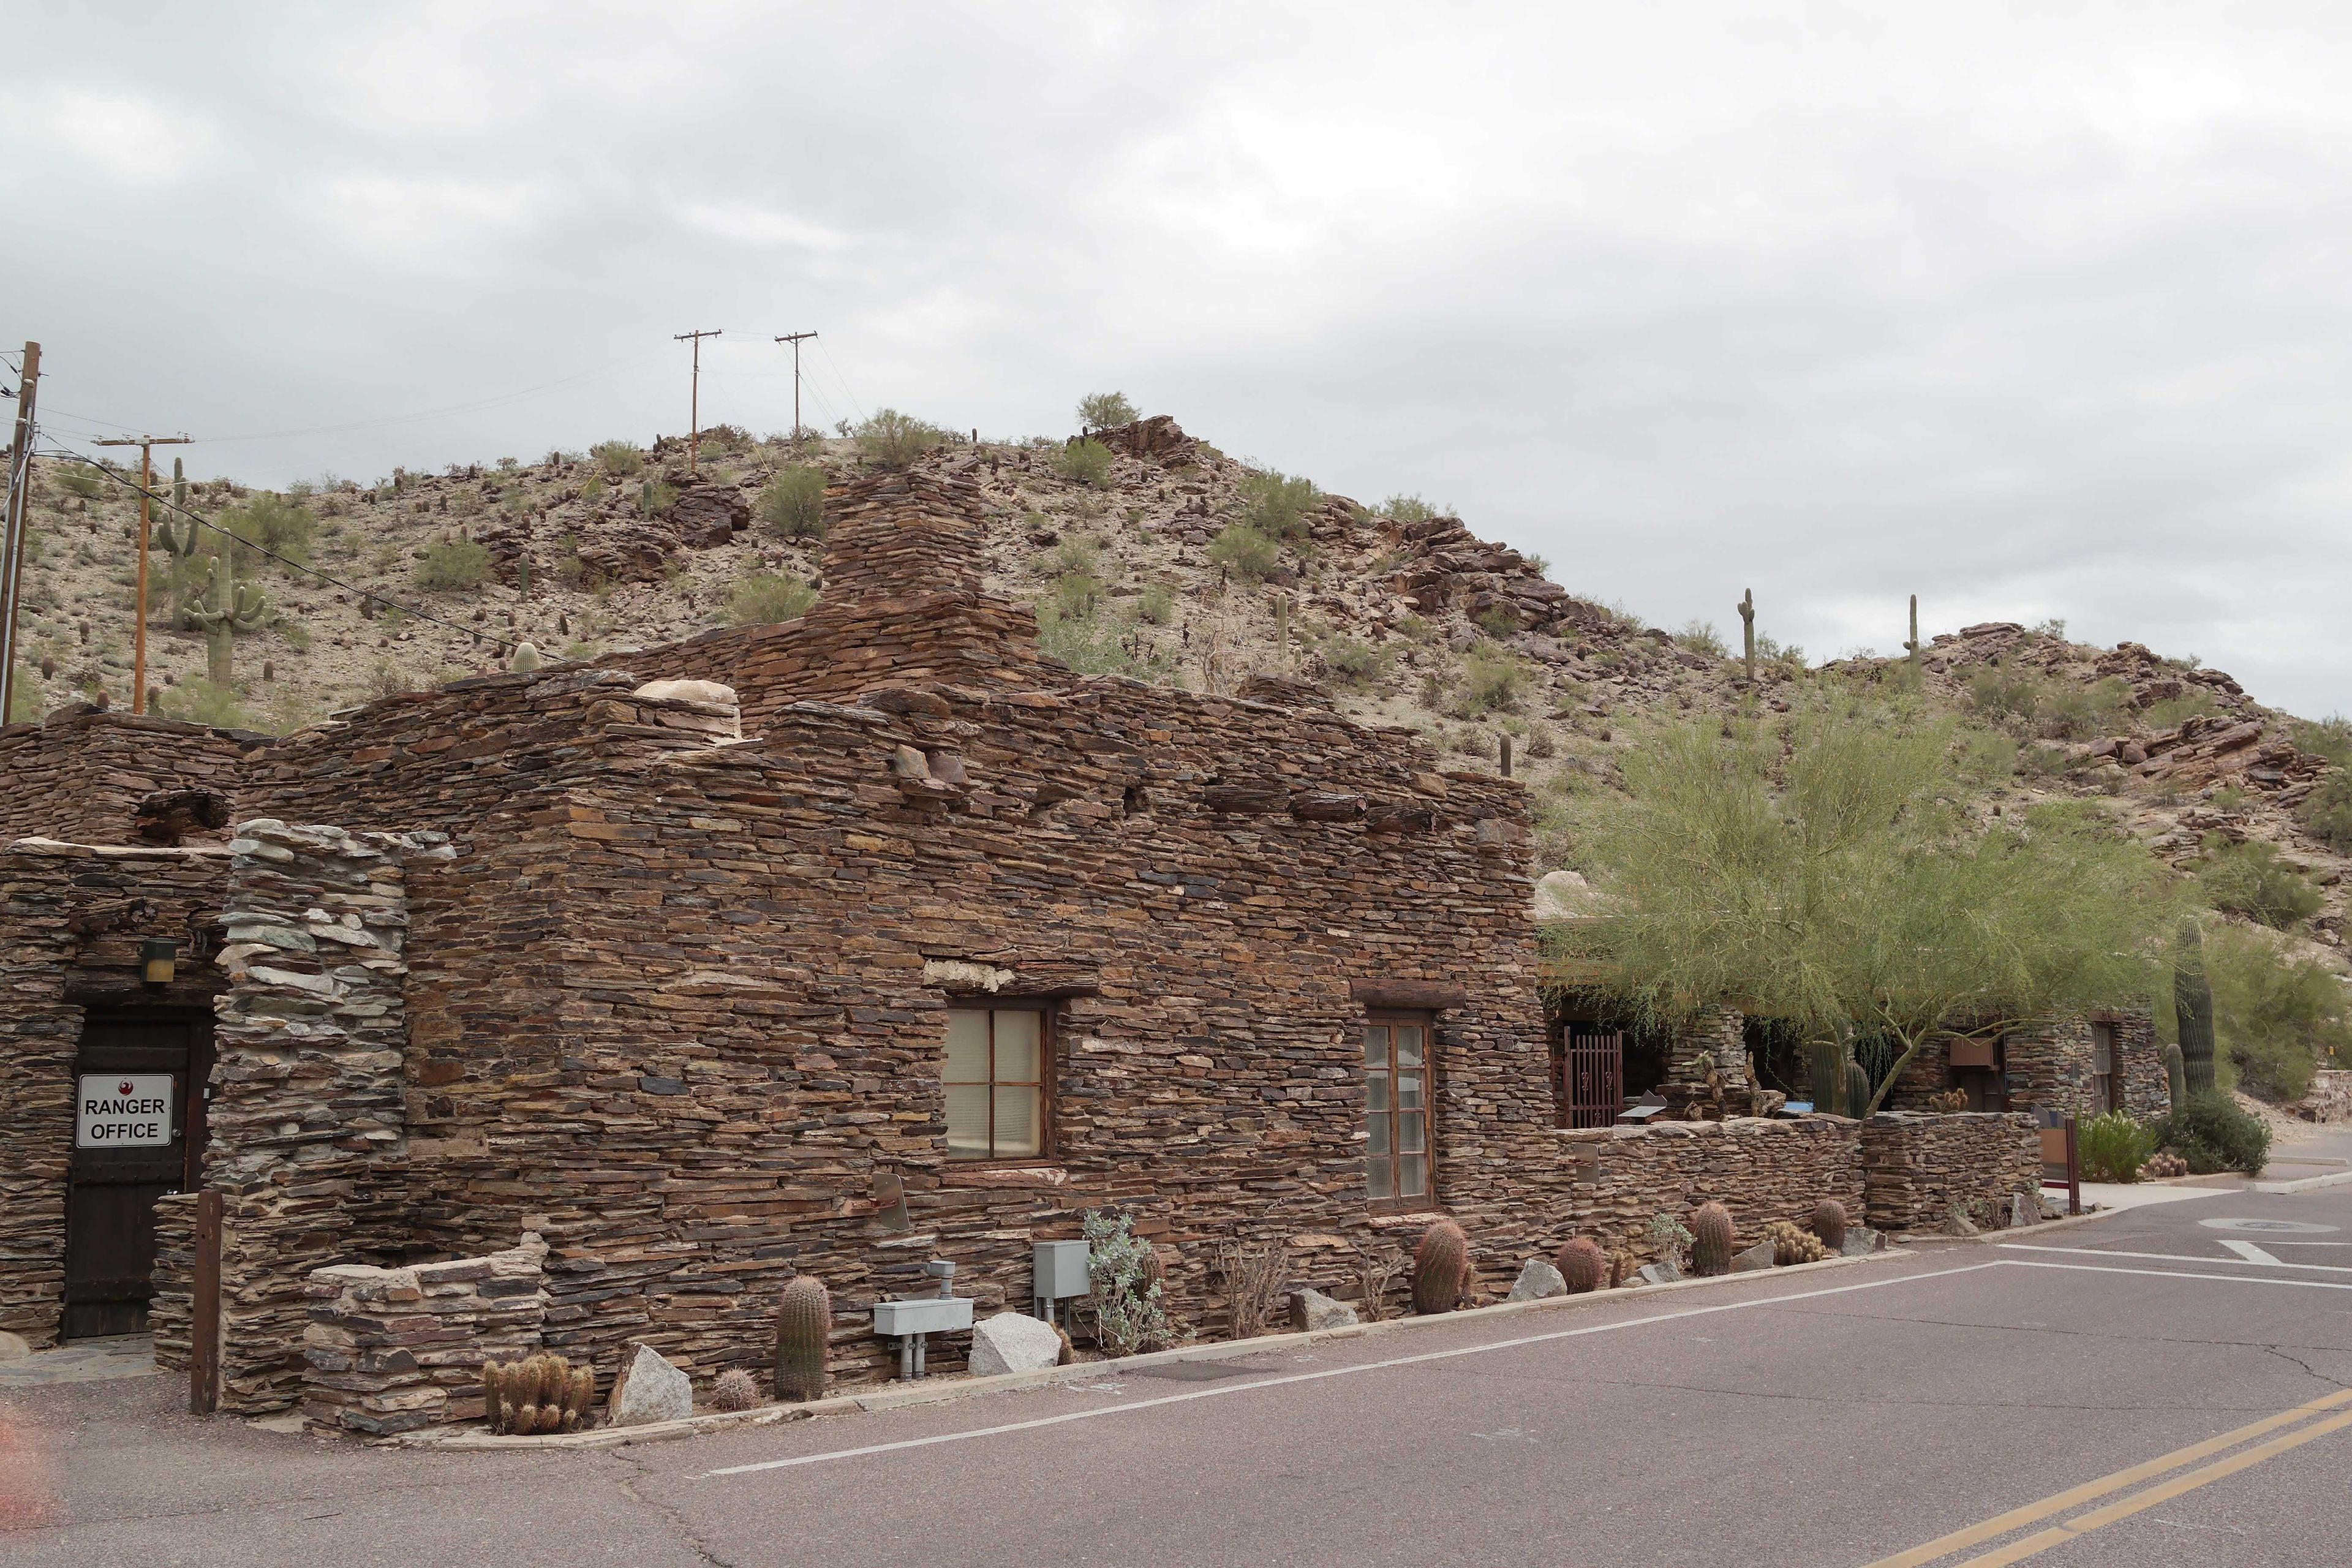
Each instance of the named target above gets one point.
<point>120,1167</point>
<point>1592,1076</point>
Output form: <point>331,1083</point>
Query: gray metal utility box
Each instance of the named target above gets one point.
<point>1058,1272</point>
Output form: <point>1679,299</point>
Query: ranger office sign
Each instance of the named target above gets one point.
<point>123,1111</point>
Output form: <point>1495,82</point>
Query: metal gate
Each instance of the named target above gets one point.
<point>1592,1088</point>
<point>138,1132</point>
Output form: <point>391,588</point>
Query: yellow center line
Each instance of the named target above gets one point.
<point>2074,1528</point>
<point>2091,1491</point>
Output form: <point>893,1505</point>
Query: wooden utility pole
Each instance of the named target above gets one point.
<point>796,339</point>
<point>12,536</point>
<point>693,398</point>
<point>145,444</point>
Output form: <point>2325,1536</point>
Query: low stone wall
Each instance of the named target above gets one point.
<point>2329,1098</point>
<point>1917,1168</point>
<point>81,777</point>
<point>388,1349</point>
<point>1763,1170</point>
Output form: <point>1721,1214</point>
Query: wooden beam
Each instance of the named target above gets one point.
<point>205,1310</point>
<point>1411,996</point>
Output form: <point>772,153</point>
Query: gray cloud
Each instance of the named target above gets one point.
<point>2034,311</point>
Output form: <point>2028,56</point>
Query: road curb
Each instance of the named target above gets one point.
<point>949,1387</point>
<point>2305,1184</point>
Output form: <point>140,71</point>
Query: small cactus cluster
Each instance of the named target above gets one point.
<point>539,1393</point>
<point>735,1390</point>
<point>804,1325</point>
<point>1583,1265</point>
<point>2158,1166</point>
<point>1712,1239</point>
<point>1829,1224</point>
<point>1792,1245</point>
<point>1441,1269</point>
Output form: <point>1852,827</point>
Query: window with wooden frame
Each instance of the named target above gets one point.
<point>997,1071</point>
<point>1396,1108</point>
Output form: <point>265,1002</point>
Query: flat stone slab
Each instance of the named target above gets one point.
<point>1537,1280</point>
<point>1311,1312</point>
<point>1661,1274</point>
<point>649,1388</point>
<point>1758,1256</point>
<point>1014,1342</point>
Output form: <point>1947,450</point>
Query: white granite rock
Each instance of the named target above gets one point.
<point>648,1389</point>
<point>1537,1280</point>
<point>1312,1312</point>
<point>1014,1342</point>
<point>1759,1255</point>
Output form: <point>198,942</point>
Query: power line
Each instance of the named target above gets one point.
<point>841,378</point>
<point>406,608</point>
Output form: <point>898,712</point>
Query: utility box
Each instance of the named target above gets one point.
<point>1058,1272</point>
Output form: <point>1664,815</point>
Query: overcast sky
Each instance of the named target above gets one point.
<point>2033,310</point>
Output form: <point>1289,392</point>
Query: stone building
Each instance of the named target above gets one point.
<point>835,946</point>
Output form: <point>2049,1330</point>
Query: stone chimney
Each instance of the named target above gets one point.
<point>902,536</point>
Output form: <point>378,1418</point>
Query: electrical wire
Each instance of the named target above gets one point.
<point>841,378</point>
<point>103,466</point>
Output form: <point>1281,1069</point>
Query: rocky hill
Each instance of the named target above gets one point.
<point>1147,553</point>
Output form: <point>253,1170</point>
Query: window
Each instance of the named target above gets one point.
<point>1396,1105</point>
<point>994,1074</point>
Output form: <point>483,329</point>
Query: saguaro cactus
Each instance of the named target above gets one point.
<point>1711,1239</point>
<point>1825,1065</point>
<point>803,1321</point>
<point>180,486</point>
<point>1748,630</point>
<point>2176,1077</point>
<point>1912,647</point>
<point>231,607</point>
<point>2192,1002</point>
<point>1857,1090</point>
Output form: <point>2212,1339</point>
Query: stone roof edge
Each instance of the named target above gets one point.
<point>66,850</point>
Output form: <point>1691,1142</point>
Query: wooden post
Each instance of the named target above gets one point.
<point>205,1309</point>
<point>694,394</point>
<point>146,444</point>
<point>13,533</point>
<point>2073,1171</point>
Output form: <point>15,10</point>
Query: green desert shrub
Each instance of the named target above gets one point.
<point>1245,553</point>
<point>764,598</point>
<point>2213,1134</point>
<point>1277,504</point>
<point>201,701</point>
<point>1493,679</point>
<point>2113,1147</point>
<point>889,439</point>
<point>2278,1014</point>
<point>454,564</point>
<point>1357,662</point>
<point>1085,463</point>
<point>618,459</point>
<point>1156,605</point>
<point>792,504</point>
<point>2250,880</point>
<point>1701,637</point>
<point>81,479</point>
<point>1407,509</point>
<point>1106,411</point>
<point>2029,702</point>
<point>283,527</point>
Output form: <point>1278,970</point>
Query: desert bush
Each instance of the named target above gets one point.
<point>1497,621</point>
<point>2113,1147</point>
<point>890,440</point>
<point>202,702</point>
<point>1407,509</point>
<point>1700,637</point>
<point>1085,463</point>
<point>792,504</point>
<point>272,522</point>
<point>1126,1288</point>
<point>764,598</point>
<point>2213,1134</point>
<point>2278,1012</point>
<point>1493,679</point>
<point>2250,880</point>
<point>1245,553</point>
<point>618,459</point>
<point>1156,605</point>
<point>1075,595</point>
<point>1277,504</point>
<point>81,479</point>
<point>1357,662</point>
<point>1106,411</point>
<point>454,564</point>
<point>2028,704</point>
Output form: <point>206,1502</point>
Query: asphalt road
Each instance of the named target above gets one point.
<point>1846,1416</point>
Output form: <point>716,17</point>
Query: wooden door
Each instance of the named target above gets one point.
<point>2106,1075</point>
<point>138,1134</point>
<point>1592,1076</point>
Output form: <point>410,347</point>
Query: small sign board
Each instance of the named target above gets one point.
<point>123,1111</point>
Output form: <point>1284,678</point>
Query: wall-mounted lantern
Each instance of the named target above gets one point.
<point>158,958</point>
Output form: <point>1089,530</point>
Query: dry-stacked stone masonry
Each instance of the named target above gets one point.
<point>1919,1172</point>
<point>80,776</point>
<point>675,998</point>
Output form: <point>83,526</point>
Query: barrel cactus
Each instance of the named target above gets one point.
<point>1441,1269</point>
<point>1829,1224</point>
<point>1792,1245</point>
<point>539,1394</point>
<point>803,1321</point>
<point>734,1389</point>
<point>1583,1265</point>
<point>1711,1239</point>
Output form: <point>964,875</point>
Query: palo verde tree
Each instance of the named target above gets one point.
<point>1822,868</point>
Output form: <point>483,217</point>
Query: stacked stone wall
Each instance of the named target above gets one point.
<point>71,919</point>
<point>389,1349</point>
<point>2048,1066</point>
<point>1919,1169</point>
<point>1762,1169</point>
<point>80,777</point>
<point>2329,1098</point>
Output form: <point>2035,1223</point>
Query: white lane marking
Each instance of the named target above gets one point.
<point>2183,1274</point>
<point>1222,1390</point>
<point>2255,1257</point>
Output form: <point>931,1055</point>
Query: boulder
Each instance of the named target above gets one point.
<point>1564,896</point>
<point>1960,1225</point>
<point>1311,1312</point>
<point>2020,1212</point>
<point>648,1389</point>
<point>1537,1280</point>
<point>1660,1273</point>
<point>1860,1241</point>
<point>710,693</point>
<point>1757,1256</point>
<point>1014,1342</point>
